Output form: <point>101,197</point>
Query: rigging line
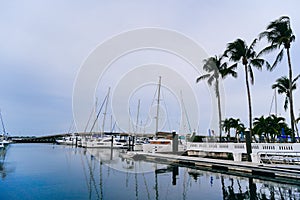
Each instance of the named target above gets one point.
<point>272,103</point>
<point>71,127</point>
<point>105,99</point>
<point>149,112</point>
<point>113,127</point>
<point>90,117</point>
<point>153,100</point>
<point>185,112</point>
<point>105,111</point>
<point>167,113</point>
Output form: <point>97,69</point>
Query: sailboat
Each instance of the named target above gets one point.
<point>4,141</point>
<point>161,144</point>
<point>106,141</point>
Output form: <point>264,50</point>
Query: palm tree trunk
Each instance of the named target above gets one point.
<point>219,109</point>
<point>291,95</point>
<point>248,136</point>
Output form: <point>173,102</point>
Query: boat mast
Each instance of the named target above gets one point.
<point>137,116</point>
<point>274,99</point>
<point>158,101</point>
<point>105,111</point>
<point>4,131</point>
<point>275,91</point>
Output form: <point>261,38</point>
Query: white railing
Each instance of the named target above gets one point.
<point>238,148</point>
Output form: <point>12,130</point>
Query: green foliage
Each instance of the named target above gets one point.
<point>283,87</point>
<point>232,123</point>
<point>270,127</point>
<point>279,34</point>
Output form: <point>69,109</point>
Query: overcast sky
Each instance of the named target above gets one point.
<point>43,45</point>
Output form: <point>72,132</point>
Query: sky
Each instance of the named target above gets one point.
<point>45,45</point>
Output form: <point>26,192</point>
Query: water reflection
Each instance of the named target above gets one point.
<point>232,187</point>
<point>3,171</point>
<point>60,172</point>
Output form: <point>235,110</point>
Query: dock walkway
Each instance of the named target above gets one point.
<point>286,173</point>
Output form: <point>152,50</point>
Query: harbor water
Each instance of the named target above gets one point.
<point>48,171</point>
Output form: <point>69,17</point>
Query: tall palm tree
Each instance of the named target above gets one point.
<point>239,51</point>
<point>283,87</point>
<point>280,36</point>
<point>216,69</point>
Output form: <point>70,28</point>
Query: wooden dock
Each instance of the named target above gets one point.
<point>280,173</point>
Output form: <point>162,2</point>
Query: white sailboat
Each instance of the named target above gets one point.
<point>105,141</point>
<point>161,144</point>
<point>4,141</point>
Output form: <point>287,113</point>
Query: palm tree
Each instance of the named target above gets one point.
<point>270,127</point>
<point>226,126</point>
<point>261,128</point>
<point>230,123</point>
<point>239,128</point>
<point>277,124</point>
<point>280,36</point>
<point>283,87</point>
<point>216,68</point>
<point>239,51</point>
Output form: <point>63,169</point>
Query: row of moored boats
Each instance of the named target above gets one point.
<point>144,144</point>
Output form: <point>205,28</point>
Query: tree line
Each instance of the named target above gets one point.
<point>279,37</point>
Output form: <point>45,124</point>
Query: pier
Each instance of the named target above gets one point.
<point>279,173</point>
<point>260,151</point>
<point>40,139</point>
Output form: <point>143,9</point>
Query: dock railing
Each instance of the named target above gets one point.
<point>237,149</point>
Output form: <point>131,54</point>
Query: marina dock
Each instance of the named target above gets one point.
<point>280,173</point>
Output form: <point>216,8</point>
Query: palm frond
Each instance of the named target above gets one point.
<point>269,67</point>
<point>292,38</point>
<point>205,76</point>
<point>295,79</point>
<point>236,50</point>
<point>257,63</point>
<point>229,71</point>
<point>278,59</point>
<point>210,80</point>
<point>267,50</point>
<point>263,34</point>
<point>251,47</point>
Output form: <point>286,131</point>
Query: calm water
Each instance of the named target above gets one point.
<point>46,171</point>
